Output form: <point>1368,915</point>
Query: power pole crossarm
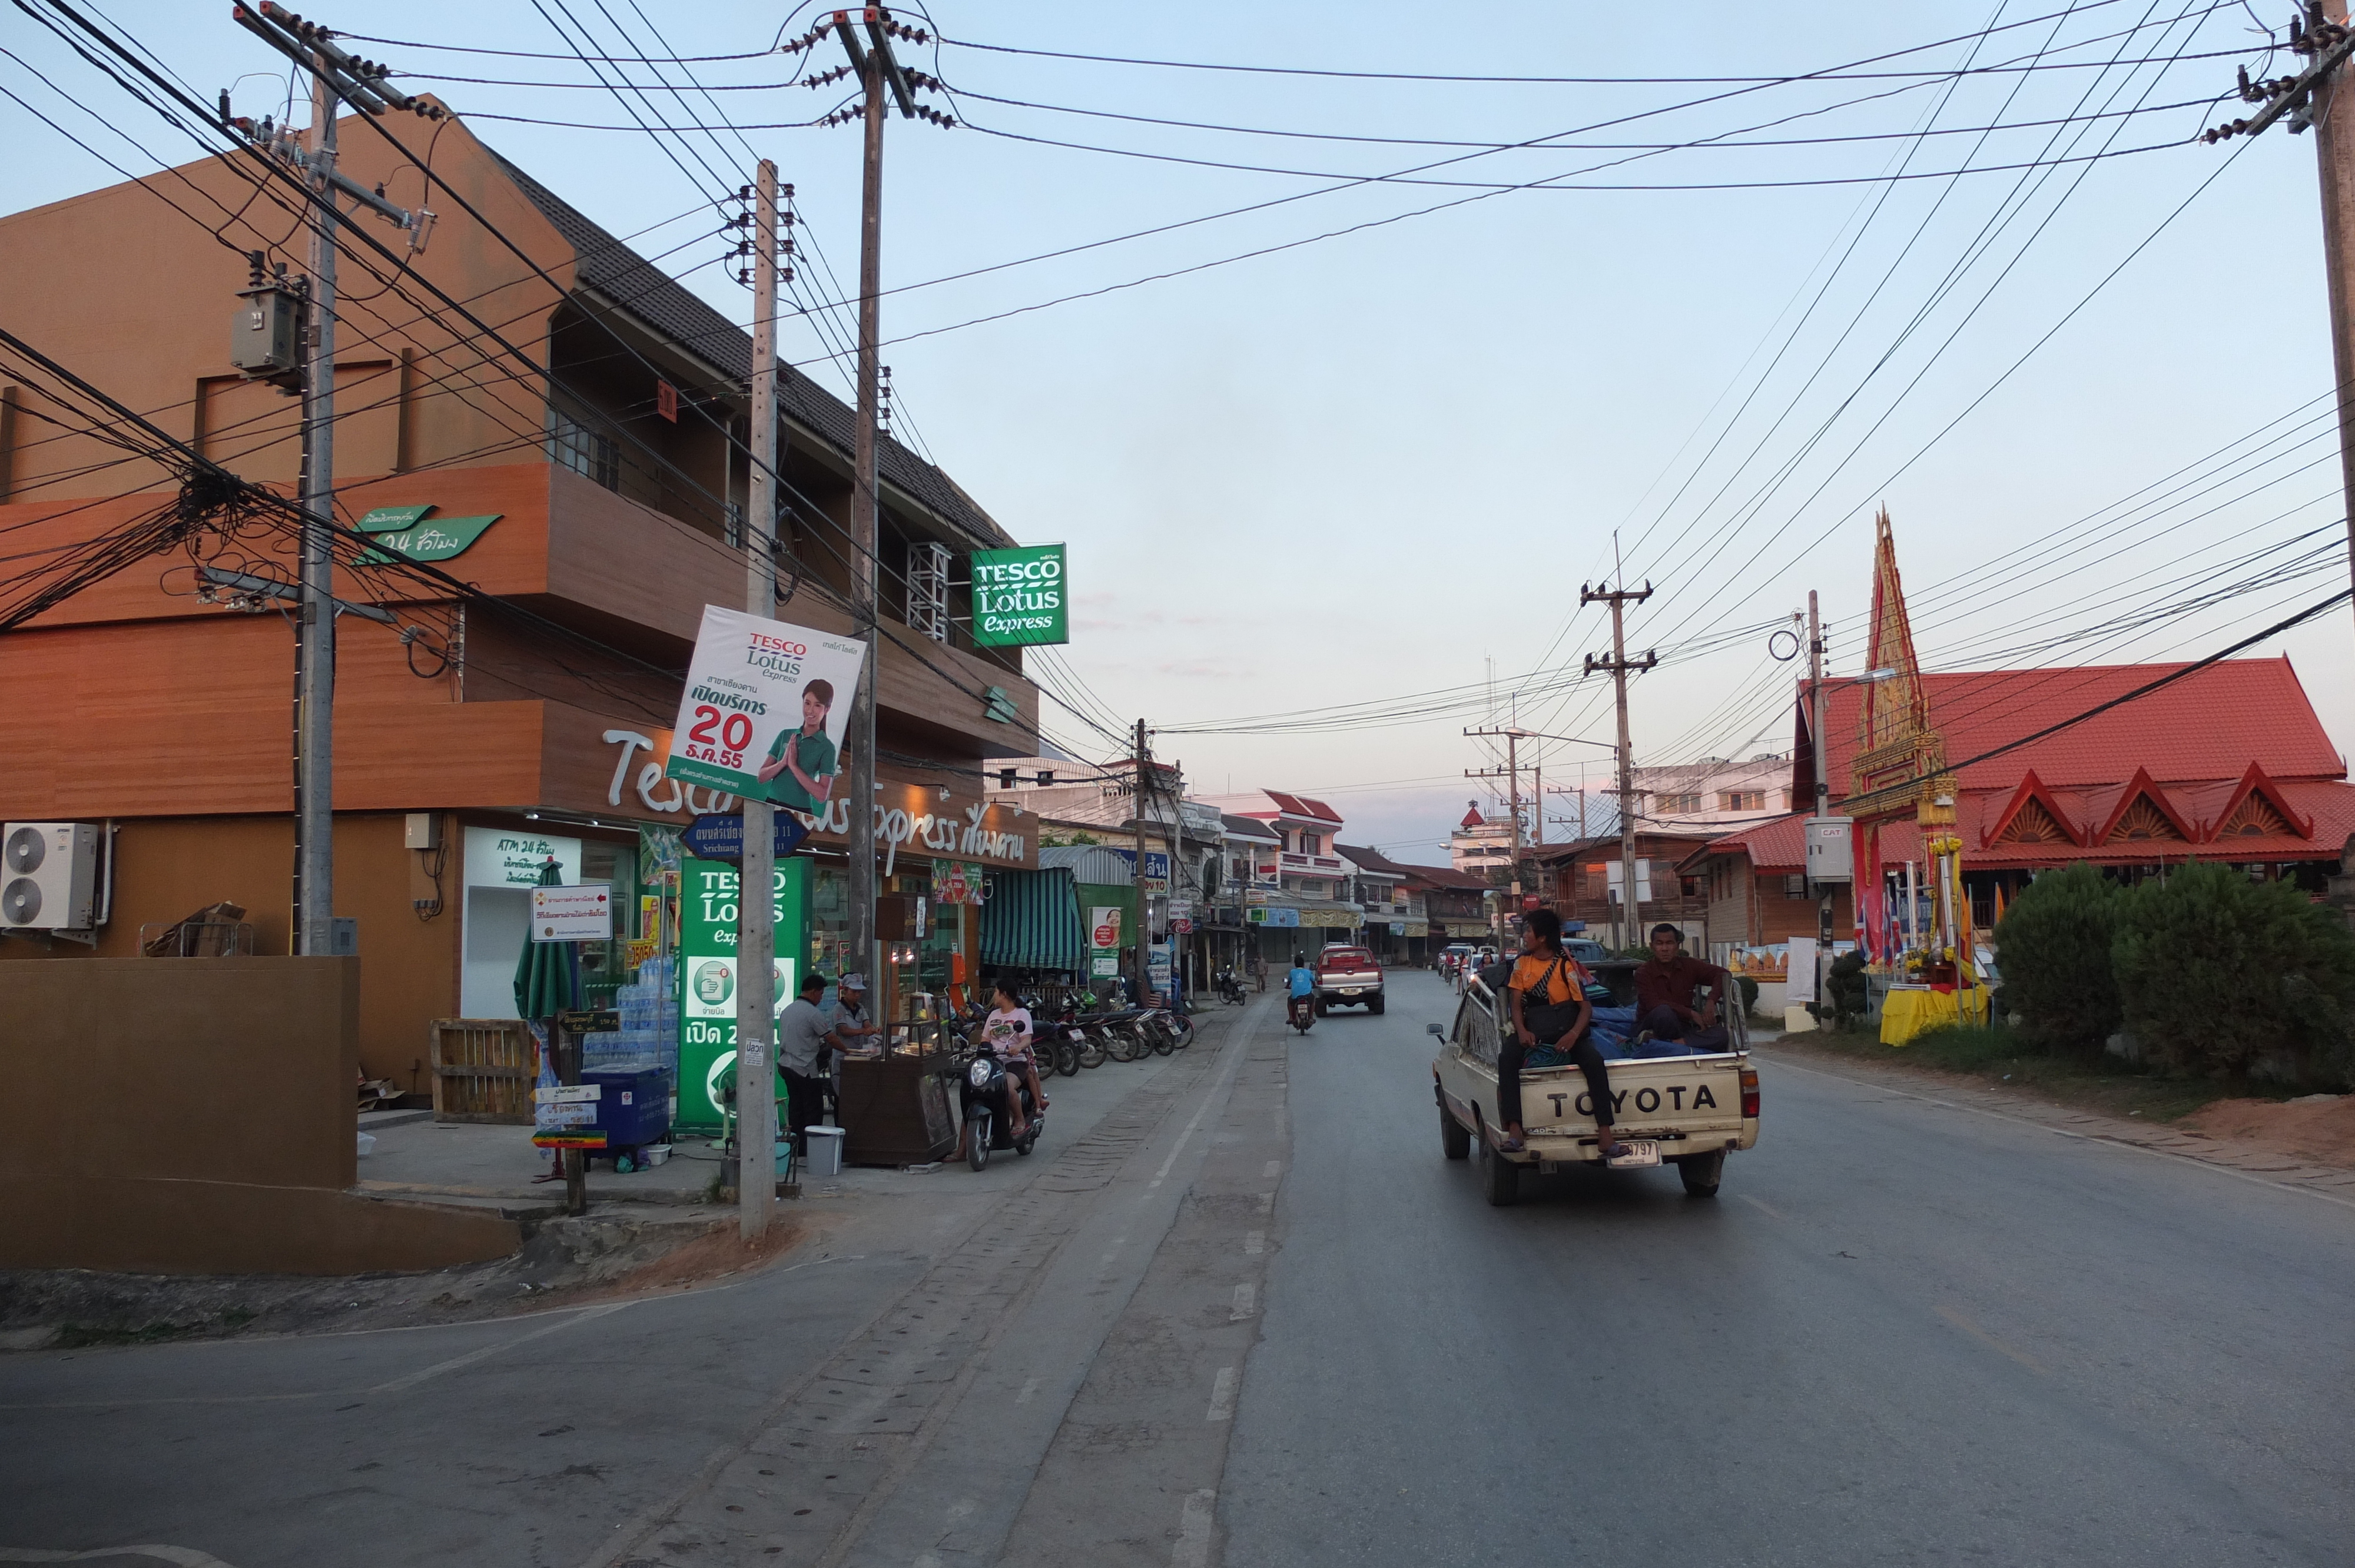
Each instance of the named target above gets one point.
<point>1618,665</point>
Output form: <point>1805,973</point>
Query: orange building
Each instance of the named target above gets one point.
<point>595,460</point>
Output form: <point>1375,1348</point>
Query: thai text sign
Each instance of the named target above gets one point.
<point>1020,598</point>
<point>765,711</point>
<point>710,974</point>
<point>583,913</point>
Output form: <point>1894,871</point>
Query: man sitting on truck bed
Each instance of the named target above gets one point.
<point>1664,984</point>
<point>1547,996</point>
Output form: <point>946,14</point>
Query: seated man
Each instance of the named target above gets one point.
<point>1664,984</point>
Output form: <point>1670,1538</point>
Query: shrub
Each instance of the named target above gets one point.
<point>2226,976</point>
<point>2056,941</point>
<point>1851,994</point>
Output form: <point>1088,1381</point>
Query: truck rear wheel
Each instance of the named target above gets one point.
<point>1701,1173</point>
<point>1454,1141</point>
<point>1374,1006</point>
<point>1500,1178</point>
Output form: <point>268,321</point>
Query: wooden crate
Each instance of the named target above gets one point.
<point>484,1069</point>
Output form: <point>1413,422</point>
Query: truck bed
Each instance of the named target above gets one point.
<point>1692,1105</point>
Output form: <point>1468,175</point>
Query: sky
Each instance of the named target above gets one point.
<point>1334,455</point>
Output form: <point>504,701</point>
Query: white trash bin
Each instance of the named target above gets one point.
<point>825,1156</point>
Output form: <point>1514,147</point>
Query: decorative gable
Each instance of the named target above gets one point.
<point>2258,809</point>
<point>2144,813</point>
<point>2032,817</point>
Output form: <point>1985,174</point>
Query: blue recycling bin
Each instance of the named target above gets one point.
<point>632,1108</point>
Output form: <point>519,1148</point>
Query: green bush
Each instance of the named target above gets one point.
<point>2056,941</point>
<point>1844,985</point>
<point>2221,975</point>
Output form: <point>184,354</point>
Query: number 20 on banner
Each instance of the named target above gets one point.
<point>718,737</point>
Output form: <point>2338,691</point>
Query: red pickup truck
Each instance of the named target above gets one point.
<point>1347,977</point>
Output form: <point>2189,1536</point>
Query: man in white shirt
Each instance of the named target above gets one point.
<point>802,1031</point>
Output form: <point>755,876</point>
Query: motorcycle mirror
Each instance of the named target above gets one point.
<point>1436,1029</point>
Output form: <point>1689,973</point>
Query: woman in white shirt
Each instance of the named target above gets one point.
<point>1008,1032</point>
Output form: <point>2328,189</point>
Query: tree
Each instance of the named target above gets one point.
<point>2055,942</point>
<point>2223,975</point>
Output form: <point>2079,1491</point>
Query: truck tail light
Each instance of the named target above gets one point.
<point>1750,1094</point>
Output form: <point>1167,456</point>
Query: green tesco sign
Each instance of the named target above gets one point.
<point>1021,597</point>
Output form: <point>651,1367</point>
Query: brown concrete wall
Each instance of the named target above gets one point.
<point>168,868</point>
<point>195,1116</point>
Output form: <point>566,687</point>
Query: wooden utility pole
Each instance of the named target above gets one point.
<point>1144,936</point>
<point>1617,664</point>
<point>756,922</point>
<point>2310,96</point>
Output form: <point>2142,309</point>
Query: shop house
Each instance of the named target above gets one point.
<point>595,508</point>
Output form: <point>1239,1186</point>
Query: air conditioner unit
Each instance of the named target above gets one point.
<point>49,877</point>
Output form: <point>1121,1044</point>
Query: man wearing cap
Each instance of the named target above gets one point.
<point>847,1029</point>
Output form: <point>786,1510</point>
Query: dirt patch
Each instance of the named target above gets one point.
<point>2320,1127</point>
<point>564,1262</point>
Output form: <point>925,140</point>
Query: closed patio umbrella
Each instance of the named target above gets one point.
<point>546,983</point>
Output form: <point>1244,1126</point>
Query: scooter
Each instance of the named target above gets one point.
<point>982,1101</point>
<point>1230,988</point>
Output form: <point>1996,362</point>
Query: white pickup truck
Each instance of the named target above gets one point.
<point>1685,1111</point>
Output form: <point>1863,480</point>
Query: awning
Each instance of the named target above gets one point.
<point>1032,921</point>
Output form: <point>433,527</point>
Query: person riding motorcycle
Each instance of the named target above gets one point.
<point>1008,1032</point>
<point>1301,987</point>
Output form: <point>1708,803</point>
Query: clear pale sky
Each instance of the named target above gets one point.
<point>1382,464</point>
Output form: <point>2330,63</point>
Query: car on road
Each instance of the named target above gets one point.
<point>1685,1111</point>
<point>1347,977</point>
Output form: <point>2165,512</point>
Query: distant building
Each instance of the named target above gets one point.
<point>1312,901</point>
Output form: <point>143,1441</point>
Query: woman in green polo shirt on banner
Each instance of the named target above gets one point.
<point>805,756</point>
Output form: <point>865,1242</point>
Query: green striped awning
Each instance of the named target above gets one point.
<point>1032,922</point>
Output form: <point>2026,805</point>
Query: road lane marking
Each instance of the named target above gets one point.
<point>1238,1050</point>
<point>1766,1208</point>
<point>1274,1169</point>
<point>1254,1243</point>
<point>401,1384</point>
<point>1194,1522</point>
<point>186,1556</point>
<point>1222,1396</point>
<point>1267,1203</point>
<point>1246,1302</point>
<point>1981,1335</point>
<point>1028,1389</point>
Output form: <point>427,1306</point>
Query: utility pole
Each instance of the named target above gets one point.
<point>1823,782</point>
<point>1511,771</point>
<point>314,646</point>
<point>877,71</point>
<point>1143,770</point>
<point>336,77</point>
<point>756,911</point>
<point>1618,665</point>
<point>2310,96</point>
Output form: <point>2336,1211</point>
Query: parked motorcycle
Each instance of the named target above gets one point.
<point>1230,988</point>
<point>982,1084</point>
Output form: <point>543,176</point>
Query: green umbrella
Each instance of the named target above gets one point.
<point>548,974</point>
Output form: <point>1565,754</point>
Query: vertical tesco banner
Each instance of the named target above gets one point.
<point>766,707</point>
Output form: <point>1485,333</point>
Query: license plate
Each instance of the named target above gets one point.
<point>1348,991</point>
<point>1635,1154</point>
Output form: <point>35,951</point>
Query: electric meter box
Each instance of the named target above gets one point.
<point>1829,857</point>
<point>49,877</point>
<point>265,336</point>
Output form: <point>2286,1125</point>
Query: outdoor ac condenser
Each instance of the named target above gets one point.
<point>49,877</point>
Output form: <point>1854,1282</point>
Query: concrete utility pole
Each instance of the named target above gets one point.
<point>1618,598</point>
<point>314,645</point>
<point>756,913</point>
<point>1823,781</point>
<point>2310,96</point>
<point>1143,936</point>
<point>864,505</point>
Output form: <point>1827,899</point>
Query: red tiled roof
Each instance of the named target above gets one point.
<point>1301,806</point>
<point>2208,726</point>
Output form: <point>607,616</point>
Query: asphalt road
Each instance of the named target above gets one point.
<point>1903,1334</point>
<point>1240,1310</point>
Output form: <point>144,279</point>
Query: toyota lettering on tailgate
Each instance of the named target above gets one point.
<point>1647,1100</point>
